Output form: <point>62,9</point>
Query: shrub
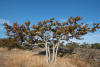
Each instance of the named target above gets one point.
<point>72,45</point>
<point>9,43</point>
<point>85,45</point>
<point>4,42</point>
<point>95,45</point>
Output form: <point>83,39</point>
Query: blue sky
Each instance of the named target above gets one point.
<point>38,10</point>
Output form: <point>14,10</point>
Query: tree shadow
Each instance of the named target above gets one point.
<point>62,51</point>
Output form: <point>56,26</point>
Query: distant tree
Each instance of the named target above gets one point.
<point>10,43</point>
<point>4,42</point>
<point>95,45</point>
<point>72,45</point>
<point>85,45</point>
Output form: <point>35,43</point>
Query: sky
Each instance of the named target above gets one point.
<point>38,10</point>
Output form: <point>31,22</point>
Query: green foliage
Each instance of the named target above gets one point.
<point>85,45</point>
<point>9,43</point>
<point>4,42</point>
<point>72,45</point>
<point>95,45</point>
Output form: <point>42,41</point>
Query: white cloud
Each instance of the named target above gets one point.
<point>62,20</point>
<point>98,19</point>
<point>1,28</point>
<point>88,38</point>
<point>2,21</point>
<point>92,36</point>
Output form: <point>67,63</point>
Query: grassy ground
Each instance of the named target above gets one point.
<point>23,58</point>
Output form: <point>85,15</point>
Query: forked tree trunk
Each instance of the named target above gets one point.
<point>55,51</point>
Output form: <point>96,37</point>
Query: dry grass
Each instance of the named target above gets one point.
<point>20,58</point>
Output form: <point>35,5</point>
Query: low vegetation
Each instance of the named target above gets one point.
<point>5,42</point>
<point>24,58</point>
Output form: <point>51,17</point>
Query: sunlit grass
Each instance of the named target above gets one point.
<point>21,58</point>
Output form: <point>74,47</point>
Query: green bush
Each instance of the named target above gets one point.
<point>95,45</point>
<point>85,45</point>
<point>8,43</point>
<point>72,45</point>
<point>4,42</point>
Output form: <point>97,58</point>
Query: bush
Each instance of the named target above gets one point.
<point>95,45</point>
<point>9,43</point>
<point>85,45</point>
<point>14,44</point>
<point>4,42</point>
<point>72,45</point>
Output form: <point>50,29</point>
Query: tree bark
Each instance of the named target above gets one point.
<point>56,52</point>
<point>53,57</point>
<point>46,52</point>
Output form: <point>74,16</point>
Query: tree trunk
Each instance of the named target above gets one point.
<point>53,57</point>
<point>57,45</point>
<point>46,52</point>
<point>55,51</point>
